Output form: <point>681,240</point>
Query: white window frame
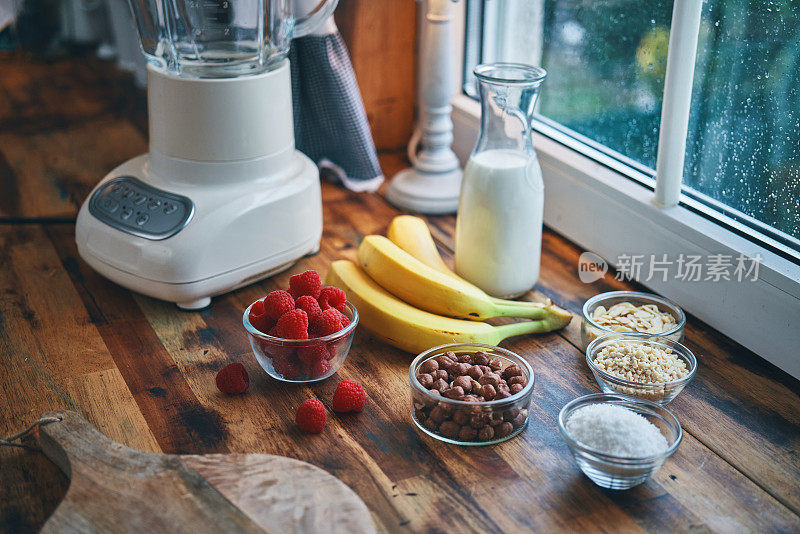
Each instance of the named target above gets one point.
<point>591,202</point>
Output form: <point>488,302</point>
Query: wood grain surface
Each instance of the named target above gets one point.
<point>143,372</point>
<point>116,489</point>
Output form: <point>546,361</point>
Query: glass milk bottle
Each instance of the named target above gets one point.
<point>499,227</point>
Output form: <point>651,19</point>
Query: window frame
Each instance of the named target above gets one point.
<point>588,186</point>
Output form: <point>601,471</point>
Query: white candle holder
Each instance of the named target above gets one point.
<point>433,183</point>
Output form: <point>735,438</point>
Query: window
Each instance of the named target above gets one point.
<point>606,64</point>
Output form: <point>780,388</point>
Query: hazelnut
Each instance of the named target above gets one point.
<point>467,433</point>
<point>485,369</point>
<point>502,385</point>
<point>487,391</point>
<point>502,394</point>
<point>425,380</point>
<point>480,358</point>
<point>518,380</point>
<point>495,418</point>
<point>440,385</point>
<point>441,373</point>
<point>464,382</point>
<point>470,398</point>
<point>515,388</point>
<point>443,361</point>
<point>461,417</point>
<point>486,433</point>
<point>465,357</point>
<point>419,414</point>
<point>475,372</point>
<point>479,420</point>
<point>430,424</point>
<point>502,430</point>
<point>495,364</point>
<point>463,369</point>
<point>508,415</point>
<point>520,419</point>
<point>489,378</point>
<point>452,355</point>
<point>474,385</point>
<point>428,366</point>
<point>451,429</point>
<point>511,370</point>
<point>455,393</point>
<point>439,414</point>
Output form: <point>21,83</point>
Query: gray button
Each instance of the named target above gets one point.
<point>169,207</point>
<point>128,193</point>
<point>116,188</point>
<point>109,204</point>
<point>142,219</point>
<point>153,204</point>
<point>126,214</point>
<point>139,199</point>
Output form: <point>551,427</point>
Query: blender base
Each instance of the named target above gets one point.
<point>239,232</point>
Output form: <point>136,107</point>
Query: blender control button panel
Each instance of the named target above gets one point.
<point>132,206</point>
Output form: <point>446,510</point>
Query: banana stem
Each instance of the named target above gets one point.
<point>523,327</point>
<point>527,310</point>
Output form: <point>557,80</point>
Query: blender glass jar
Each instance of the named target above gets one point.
<point>221,38</point>
<point>499,225</point>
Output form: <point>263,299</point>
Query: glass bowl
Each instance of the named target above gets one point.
<point>461,422</point>
<point>615,472</point>
<point>291,360</point>
<point>590,330</point>
<point>661,392</point>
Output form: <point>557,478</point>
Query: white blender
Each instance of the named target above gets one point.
<point>223,198</point>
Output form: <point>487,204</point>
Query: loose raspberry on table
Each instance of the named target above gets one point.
<point>348,397</point>
<point>311,416</point>
<point>293,325</point>
<point>233,379</point>
<point>308,304</point>
<point>277,304</point>
<point>332,297</point>
<point>327,323</point>
<point>306,283</point>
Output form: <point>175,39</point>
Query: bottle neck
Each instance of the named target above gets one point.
<point>506,117</point>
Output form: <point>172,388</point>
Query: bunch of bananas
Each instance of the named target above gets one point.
<point>407,296</point>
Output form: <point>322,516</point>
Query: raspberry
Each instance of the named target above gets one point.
<point>314,322</point>
<point>320,368</point>
<point>312,353</point>
<point>233,378</point>
<point>308,304</point>
<point>258,317</point>
<point>342,317</point>
<point>328,322</point>
<point>293,325</point>
<point>306,283</point>
<point>286,367</point>
<point>277,304</point>
<point>348,397</point>
<point>332,297</point>
<point>311,416</point>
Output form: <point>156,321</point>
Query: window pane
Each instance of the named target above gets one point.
<point>605,63</point>
<point>743,147</point>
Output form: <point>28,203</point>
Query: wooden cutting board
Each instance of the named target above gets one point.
<point>114,488</point>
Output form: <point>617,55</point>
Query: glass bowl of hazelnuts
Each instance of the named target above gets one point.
<point>470,393</point>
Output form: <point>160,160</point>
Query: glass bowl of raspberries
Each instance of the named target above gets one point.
<point>302,334</point>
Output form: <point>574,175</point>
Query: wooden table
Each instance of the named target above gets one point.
<point>143,372</point>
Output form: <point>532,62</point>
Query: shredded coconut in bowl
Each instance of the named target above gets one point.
<point>616,430</point>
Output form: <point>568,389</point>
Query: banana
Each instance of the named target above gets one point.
<point>412,281</point>
<point>412,235</point>
<point>409,328</point>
